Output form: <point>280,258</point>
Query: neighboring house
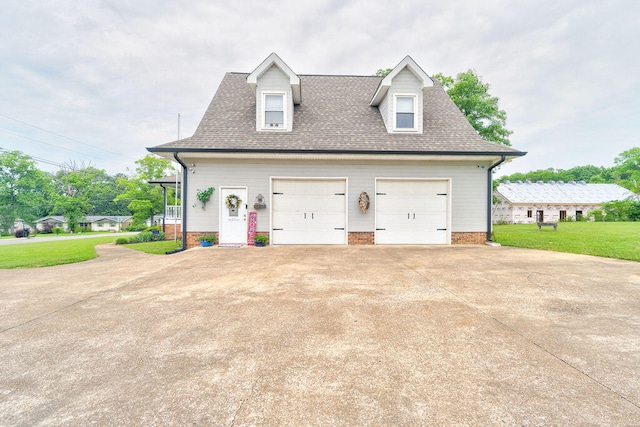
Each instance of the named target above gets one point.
<point>171,218</point>
<point>528,202</point>
<point>53,221</point>
<point>327,159</point>
<point>19,224</point>
<point>91,222</point>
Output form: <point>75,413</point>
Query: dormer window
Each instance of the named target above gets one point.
<point>405,112</point>
<point>273,110</point>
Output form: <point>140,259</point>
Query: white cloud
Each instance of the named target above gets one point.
<point>115,74</point>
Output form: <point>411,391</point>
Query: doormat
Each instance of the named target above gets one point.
<point>229,245</point>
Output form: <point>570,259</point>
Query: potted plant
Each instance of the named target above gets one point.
<point>204,195</point>
<point>260,240</point>
<point>208,240</point>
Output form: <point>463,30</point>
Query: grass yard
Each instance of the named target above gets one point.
<point>47,253</point>
<point>605,239</point>
<point>157,248</point>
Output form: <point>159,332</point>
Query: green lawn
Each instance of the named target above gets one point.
<point>54,252</point>
<point>157,248</point>
<point>606,239</point>
<point>47,253</point>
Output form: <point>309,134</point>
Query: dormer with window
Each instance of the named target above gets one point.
<point>399,97</point>
<point>277,90</point>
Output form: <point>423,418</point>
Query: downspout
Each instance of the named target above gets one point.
<point>164,207</point>
<point>490,194</point>
<point>184,204</point>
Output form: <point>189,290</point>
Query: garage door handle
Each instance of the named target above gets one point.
<point>339,194</point>
<point>380,229</point>
<point>339,228</point>
<point>278,229</point>
<point>381,194</point>
<point>414,216</point>
<point>441,229</point>
<point>305,215</point>
<point>441,194</point>
<point>278,193</point>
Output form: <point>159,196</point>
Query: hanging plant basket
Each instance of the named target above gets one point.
<point>232,201</point>
<point>205,195</point>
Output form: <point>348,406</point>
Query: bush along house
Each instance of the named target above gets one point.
<point>335,160</point>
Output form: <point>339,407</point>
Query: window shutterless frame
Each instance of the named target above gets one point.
<point>404,112</point>
<point>273,110</point>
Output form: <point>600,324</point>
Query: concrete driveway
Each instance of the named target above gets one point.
<point>463,335</point>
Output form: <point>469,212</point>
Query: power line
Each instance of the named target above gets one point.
<point>45,143</point>
<point>57,134</point>
<point>37,159</point>
<point>61,148</point>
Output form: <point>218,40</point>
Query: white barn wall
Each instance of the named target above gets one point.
<point>468,187</point>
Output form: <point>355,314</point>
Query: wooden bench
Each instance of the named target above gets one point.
<point>548,224</point>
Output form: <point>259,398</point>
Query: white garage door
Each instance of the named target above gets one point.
<point>412,212</point>
<point>309,211</point>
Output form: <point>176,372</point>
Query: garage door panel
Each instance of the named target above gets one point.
<point>308,211</point>
<point>412,211</point>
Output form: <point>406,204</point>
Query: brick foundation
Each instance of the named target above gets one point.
<point>169,231</point>
<point>355,238</point>
<point>361,238</point>
<point>472,238</point>
<point>192,237</point>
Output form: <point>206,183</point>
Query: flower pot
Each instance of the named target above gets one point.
<point>205,243</point>
<point>259,244</point>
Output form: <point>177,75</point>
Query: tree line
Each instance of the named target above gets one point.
<point>625,172</point>
<point>78,190</point>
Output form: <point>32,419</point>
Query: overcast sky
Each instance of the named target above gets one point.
<point>98,81</point>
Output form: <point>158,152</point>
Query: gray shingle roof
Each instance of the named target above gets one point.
<point>562,193</point>
<point>334,116</point>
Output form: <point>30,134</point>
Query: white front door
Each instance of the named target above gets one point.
<point>233,222</point>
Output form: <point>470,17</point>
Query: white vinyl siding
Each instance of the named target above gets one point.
<point>274,82</point>
<point>468,187</point>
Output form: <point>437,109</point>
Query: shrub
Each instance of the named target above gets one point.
<point>260,238</point>
<point>122,241</point>
<point>211,238</point>
<point>137,227</point>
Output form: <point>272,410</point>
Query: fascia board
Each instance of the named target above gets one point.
<point>274,59</point>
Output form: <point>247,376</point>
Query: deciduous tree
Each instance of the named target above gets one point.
<point>142,198</point>
<point>481,109</point>
<point>25,191</point>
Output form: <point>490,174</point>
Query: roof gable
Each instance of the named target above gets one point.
<point>386,83</point>
<point>274,60</point>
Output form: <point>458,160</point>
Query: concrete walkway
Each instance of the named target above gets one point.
<point>462,335</point>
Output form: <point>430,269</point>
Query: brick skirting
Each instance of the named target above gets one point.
<point>361,238</point>
<point>470,238</point>
<point>355,238</point>
<point>169,231</point>
<point>192,237</point>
